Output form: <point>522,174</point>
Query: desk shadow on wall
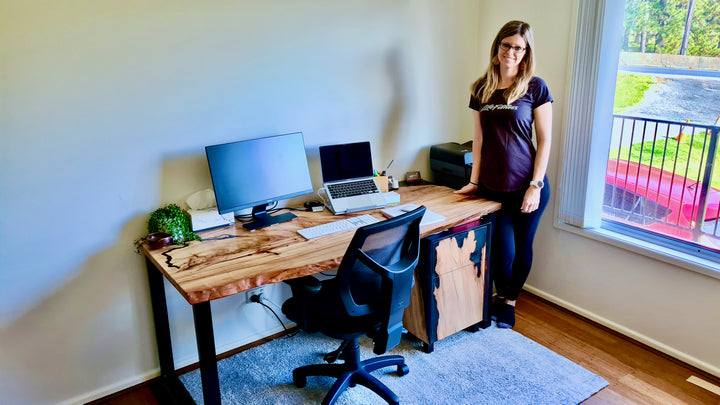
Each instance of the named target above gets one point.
<point>96,329</point>
<point>92,332</point>
<point>181,176</point>
<point>390,138</point>
<point>393,142</point>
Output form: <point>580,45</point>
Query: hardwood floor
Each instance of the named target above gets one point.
<point>637,374</point>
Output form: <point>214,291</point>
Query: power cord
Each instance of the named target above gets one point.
<point>324,190</point>
<point>270,209</point>
<point>259,299</point>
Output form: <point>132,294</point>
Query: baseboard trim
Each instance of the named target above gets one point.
<point>227,350</point>
<point>627,332</point>
<point>188,361</point>
<point>183,366</point>
<point>112,389</point>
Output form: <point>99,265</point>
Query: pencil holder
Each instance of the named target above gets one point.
<point>382,182</point>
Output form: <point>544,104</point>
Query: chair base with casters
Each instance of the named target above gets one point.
<point>353,372</point>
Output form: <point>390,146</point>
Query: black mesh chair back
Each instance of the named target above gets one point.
<point>376,274</point>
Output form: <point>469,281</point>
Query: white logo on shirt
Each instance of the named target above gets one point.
<point>493,107</point>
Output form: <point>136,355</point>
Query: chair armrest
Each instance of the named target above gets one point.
<point>386,338</point>
<point>304,286</point>
<point>296,307</point>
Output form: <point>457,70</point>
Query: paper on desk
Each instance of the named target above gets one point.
<point>391,197</point>
<point>430,217</point>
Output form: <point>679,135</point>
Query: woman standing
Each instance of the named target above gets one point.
<point>507,167</point>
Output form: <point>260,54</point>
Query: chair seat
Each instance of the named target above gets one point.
<point>328,305</point>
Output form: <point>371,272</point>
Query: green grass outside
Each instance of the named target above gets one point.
<point>630,90</point>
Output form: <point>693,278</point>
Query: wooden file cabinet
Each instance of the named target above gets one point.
<point>452,283</point>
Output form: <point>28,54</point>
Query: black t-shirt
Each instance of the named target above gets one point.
<point>507,157</point>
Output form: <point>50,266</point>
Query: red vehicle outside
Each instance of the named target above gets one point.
<point>660,201</point>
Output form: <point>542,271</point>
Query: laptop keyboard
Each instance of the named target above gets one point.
<point>351,189</point>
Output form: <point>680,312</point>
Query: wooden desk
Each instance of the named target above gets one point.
<point>232,259</point>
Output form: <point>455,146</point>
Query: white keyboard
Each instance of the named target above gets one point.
<point>337,226</point>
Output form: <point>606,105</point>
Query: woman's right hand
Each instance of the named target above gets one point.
<point>468,189</point>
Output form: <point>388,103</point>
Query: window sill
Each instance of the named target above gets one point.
<point>691,262</point>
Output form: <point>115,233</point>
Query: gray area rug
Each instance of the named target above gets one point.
<point>491,366</point>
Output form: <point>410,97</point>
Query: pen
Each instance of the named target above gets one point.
<point>388,166</point>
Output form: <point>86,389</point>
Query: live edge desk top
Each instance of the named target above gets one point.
<point>232,259</point>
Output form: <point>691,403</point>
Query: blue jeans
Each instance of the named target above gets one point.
<point>512,243</point>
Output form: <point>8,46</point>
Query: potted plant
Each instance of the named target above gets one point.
<point>170,220</point>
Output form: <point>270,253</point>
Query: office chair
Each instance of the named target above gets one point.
<point>367,297</point>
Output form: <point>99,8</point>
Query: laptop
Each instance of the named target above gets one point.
<point>347,172</point>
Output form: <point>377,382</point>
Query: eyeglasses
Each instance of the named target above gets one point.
<point>516,49</point>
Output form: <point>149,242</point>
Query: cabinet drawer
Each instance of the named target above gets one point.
<point>451,291</point>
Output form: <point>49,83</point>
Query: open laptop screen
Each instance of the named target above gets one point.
<point>346,161</point>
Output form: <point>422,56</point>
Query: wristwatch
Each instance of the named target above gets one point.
<point>539,184</point>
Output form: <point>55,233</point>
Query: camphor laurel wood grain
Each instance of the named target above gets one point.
<point>232,259</point>
<point>460,291</point>
<point>461,287</point>
<point>414,316</point>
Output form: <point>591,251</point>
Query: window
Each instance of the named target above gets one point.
<point>635,180</point>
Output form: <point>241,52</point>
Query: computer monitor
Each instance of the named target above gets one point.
<point>257,172</point>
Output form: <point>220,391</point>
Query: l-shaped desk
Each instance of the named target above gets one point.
<point>230,260</point>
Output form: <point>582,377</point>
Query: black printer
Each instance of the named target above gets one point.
<point>451,163</point>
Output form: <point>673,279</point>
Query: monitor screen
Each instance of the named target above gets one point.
<point>257,172</point>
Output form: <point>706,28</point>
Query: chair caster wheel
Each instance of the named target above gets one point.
<point>402,370</point>
<point>336,354</point>
<point>299,380</point>
<point>331,357</point>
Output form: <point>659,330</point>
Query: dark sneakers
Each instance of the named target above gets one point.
<point>506,318</point>
<point>496,308</point>
<point>502,313</point>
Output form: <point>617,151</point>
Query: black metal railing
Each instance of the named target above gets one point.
<point>660,178</point>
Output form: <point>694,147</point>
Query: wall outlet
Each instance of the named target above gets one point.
<point>254,291</point>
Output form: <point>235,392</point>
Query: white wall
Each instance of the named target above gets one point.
<point>105,110</point>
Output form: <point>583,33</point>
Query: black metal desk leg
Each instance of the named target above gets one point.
<point>206,351</point>
<point>162,324</point>
<point>167,389</point>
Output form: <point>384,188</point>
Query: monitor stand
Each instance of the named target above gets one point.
<point>261,218</point>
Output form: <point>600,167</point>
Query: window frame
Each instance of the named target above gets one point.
<point>587,128</point>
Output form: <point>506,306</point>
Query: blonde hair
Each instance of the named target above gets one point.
<point>485,86</point>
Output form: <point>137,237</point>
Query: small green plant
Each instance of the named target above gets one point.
<point>173,220</point>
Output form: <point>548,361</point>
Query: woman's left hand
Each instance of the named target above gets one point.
<point>531,201</point>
